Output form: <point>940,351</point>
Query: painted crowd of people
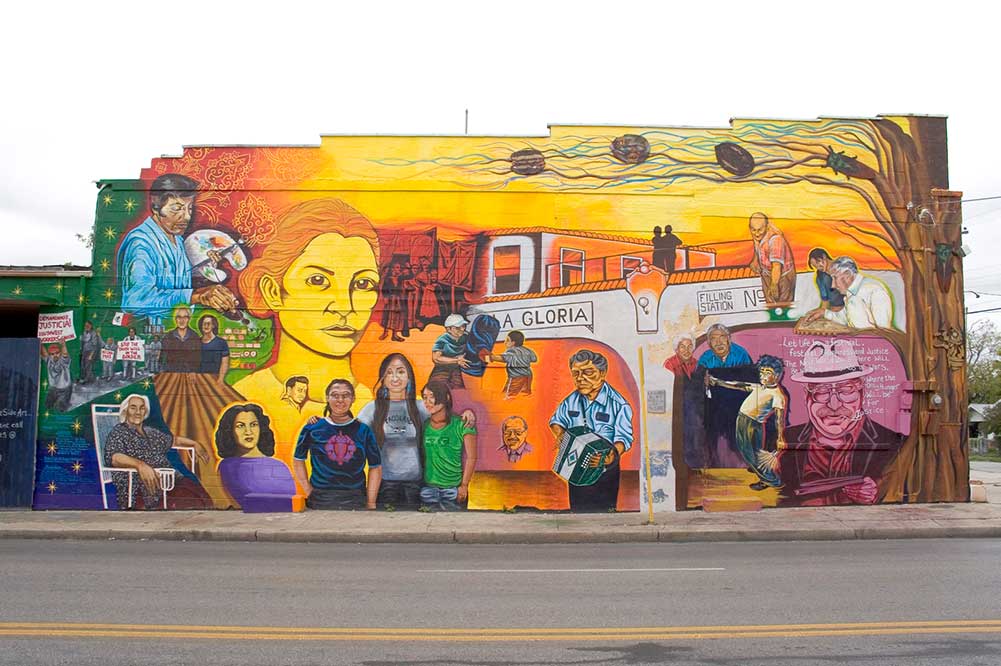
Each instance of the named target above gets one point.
<point>736,415</point>
<point>318,280</point>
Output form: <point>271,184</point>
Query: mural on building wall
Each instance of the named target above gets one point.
<point>595,321</point>
<point>18,419</point>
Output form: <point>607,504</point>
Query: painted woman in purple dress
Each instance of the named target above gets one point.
<point>253,478</point>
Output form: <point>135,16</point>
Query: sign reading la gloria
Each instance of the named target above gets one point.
<point>547,316</point>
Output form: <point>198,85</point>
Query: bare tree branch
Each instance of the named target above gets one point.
<point>868,245</point>
<point>874,235</point>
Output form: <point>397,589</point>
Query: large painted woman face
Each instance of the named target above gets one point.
<point>328,294</point>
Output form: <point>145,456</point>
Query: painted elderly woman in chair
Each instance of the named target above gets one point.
<point>246,442</point>
<point>134,445</point>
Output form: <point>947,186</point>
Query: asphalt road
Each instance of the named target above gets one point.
<point>859,602</point>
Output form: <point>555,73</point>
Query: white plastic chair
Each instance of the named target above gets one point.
<point>104,418</point>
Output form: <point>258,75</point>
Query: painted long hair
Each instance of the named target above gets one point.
<point>225,440</point>
<point>382,400</point>
<point>296,228</point>
<point>442,395</point>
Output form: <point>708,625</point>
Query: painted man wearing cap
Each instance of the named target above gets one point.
<point>448,353</point>
<point>839,455</point>
<point>60,389</point>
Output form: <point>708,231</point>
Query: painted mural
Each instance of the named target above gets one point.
<point>602,319</point>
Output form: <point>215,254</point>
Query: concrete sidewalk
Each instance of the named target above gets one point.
<point>893,521</point>
<point>987,474</point>
<point>820,523</point>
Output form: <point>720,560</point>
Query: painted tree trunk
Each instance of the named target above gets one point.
<point>933,465</point>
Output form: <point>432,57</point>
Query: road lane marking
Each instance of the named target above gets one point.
<point>569,570</point>
<point>451,630</point>
<point>391,634</point>
<point>467,638</point>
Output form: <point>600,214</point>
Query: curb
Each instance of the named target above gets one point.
<point>743,534</point>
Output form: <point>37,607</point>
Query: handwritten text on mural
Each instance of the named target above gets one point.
<point>56,327</point>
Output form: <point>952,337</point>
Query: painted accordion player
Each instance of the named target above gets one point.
<point>578,447</point>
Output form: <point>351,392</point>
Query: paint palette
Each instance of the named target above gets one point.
<point>198,246</point>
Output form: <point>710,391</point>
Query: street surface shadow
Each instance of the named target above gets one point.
<point>965,650</point>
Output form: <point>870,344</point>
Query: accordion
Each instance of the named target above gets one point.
<point>578,448</point>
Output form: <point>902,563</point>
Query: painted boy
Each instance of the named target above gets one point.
<point>518,358</point>
<point>765,399</point>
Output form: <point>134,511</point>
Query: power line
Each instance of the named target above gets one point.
<point>967,218</point>
<point>996,196</point>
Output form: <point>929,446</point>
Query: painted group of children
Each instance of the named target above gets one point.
<point>418,453</point>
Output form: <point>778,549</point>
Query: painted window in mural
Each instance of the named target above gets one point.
<point>507,269</point>
<point>764,313</point>
<point>629,265</point>
<point>571,266</point>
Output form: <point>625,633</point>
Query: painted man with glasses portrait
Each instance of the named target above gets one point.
<point>840,454</point>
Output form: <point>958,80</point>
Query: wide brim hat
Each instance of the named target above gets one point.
<point>824,363</point>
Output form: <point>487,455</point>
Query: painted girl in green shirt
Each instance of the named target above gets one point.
<point>449,452</point>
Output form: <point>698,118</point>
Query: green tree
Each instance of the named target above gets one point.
<point>992,424</point>
<point>983,363</point>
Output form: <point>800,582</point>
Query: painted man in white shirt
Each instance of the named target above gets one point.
<point>868,303</point>
<point>601,409</point>
<point>765,400</point>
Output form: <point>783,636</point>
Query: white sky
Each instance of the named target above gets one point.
<point>96,90</point>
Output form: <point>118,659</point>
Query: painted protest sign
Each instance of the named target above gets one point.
<point>56,327</point>
<point>131,350</point>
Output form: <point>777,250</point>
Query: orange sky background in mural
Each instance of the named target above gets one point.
<point>423,182</point>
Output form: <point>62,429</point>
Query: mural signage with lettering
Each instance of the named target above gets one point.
<point>547,317</point>
<point>18,416</point>
<point>56,327</point>
<point>730,301</point>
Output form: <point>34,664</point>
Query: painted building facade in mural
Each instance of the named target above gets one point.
<point>602,319</point>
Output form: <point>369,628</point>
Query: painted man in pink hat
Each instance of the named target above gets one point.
<point>839,455</point>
